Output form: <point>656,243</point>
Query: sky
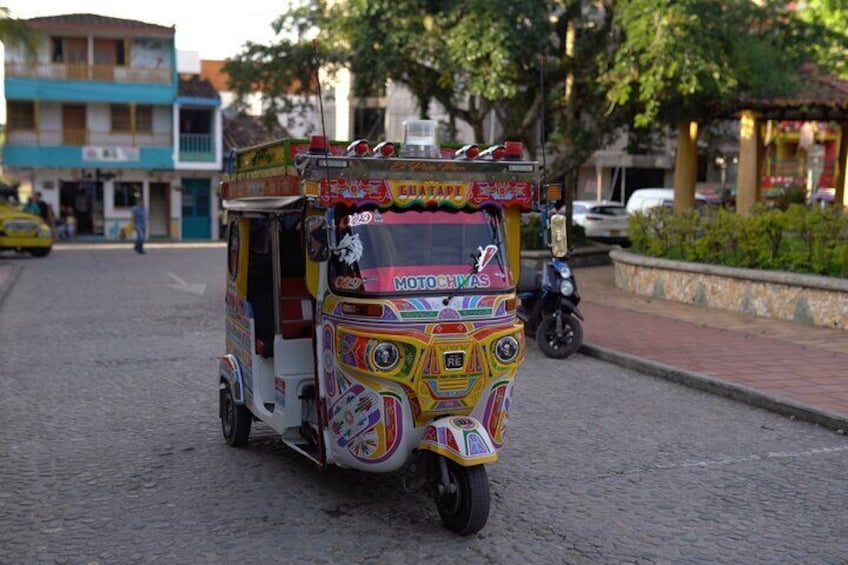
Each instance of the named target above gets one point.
<point>216,29</point>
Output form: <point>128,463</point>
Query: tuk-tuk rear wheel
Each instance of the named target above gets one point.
<point>235,419</point>
<point>466,510</point>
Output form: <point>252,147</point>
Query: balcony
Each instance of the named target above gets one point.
<point>197,147</point>
<point>85,72</point>
<point>86,148</point>
<point>79,137</point>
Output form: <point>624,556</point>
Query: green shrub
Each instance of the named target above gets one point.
<point>532,233</point>
<point>798,239</point>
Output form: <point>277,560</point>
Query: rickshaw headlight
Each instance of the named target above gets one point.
<point>566,287</point>
<point>44,231</point>
<point>506,349</point>
<point>386,356</point>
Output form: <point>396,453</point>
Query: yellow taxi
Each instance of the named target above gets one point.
<point>20,231</point>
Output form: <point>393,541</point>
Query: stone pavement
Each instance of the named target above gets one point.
<point>8,274</point>
<point>791,368</point>
<point>795,369</point>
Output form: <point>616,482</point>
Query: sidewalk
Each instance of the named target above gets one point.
<point>792,368</point>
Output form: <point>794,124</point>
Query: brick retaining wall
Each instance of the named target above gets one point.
<point>809,299</point>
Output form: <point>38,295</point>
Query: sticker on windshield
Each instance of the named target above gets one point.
<point>440,282</point>
<point>349,249</point>
<point>364,218</point>
<point>484,255</point>
<point>348,283</point>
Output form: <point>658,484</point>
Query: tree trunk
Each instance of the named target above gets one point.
<point>686,166</point>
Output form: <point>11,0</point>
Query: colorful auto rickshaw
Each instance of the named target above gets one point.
<point>371,306</point>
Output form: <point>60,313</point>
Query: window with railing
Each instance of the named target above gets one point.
<point>144,118</point>
<point>122,118</point>
<point>20,115</point>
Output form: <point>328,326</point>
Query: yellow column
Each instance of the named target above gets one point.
<point>841,163</point>
<point>686,166</point>
<point>747,183</point>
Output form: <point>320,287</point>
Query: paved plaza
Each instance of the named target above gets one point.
<point>111,450</point>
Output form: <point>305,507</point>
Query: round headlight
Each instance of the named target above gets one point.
<point>506,349</point>
<point>386,356</point>
<point>44,231</point>
<point>564,271</point>
<point>566,287</point>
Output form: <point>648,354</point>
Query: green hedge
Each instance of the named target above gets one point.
<point>800,239</point>
<point>531,233</point>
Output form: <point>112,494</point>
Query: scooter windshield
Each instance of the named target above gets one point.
<point>419,251</point>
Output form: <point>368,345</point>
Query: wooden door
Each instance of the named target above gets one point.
<point>105,58</point>
<point>73,125</point>
<point>76,57</point>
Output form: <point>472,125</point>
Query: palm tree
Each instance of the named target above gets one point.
<point>16,32</point>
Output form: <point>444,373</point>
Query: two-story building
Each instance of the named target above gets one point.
<point>99,114</point>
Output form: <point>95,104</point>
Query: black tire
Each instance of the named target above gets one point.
<point>559,347</point>
<point>235,419</point>
<point>40,251</point>
<point>466,511</point>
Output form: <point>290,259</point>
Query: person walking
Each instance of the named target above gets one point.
<point>139,218</point>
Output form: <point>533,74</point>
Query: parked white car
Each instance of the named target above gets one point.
<point>645,198</point>
<point>602,220</point>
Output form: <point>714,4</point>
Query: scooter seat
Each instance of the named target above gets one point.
<point>529,280</point>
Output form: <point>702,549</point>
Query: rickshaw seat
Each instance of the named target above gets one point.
<point>296,306</point>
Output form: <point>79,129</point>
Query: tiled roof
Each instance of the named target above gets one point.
<point>197,87</point>
<point>211,69</point>
<point>86,22</point>
<point>819,96</point>
<point>242,131</point>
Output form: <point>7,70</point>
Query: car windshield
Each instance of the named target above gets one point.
<point>613,210</point>
<point>419,251</point>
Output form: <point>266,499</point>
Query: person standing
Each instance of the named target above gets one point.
<point>32,207</point>
<point>139,218</point>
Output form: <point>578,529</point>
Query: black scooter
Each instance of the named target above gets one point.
<point>549,308</point>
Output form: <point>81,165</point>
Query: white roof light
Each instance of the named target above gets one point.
<point>420,139</point>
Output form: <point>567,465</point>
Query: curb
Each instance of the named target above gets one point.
<point>7,284</point>
<point>706,383</point>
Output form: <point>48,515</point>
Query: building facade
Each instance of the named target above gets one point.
<point>100,114</point>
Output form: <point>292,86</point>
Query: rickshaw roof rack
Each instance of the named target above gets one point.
<point>354,173</point>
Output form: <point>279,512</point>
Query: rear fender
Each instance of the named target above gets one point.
<point>461,439</point>
<point>230,375</point>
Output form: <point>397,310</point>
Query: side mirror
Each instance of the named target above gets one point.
<point>317,246</point>
<point>558,236</point>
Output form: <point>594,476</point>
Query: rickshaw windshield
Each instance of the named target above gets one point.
<point>419,251</point>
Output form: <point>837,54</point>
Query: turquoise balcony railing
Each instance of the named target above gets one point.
<point>197,147</point>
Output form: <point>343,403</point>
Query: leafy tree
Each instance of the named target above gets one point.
<point>686,62</point>
<point>831,51</point>
<point>15,32</point>
<point>695,59</point>
<point>473,58</point>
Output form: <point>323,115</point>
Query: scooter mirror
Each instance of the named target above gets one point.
<point>558,236</point>
<point>317,248</point>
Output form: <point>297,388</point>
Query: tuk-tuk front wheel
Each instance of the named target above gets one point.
<point>235,419</point>
<point>463,502</point>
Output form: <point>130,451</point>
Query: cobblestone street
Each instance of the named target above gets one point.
<point>111,450</point>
